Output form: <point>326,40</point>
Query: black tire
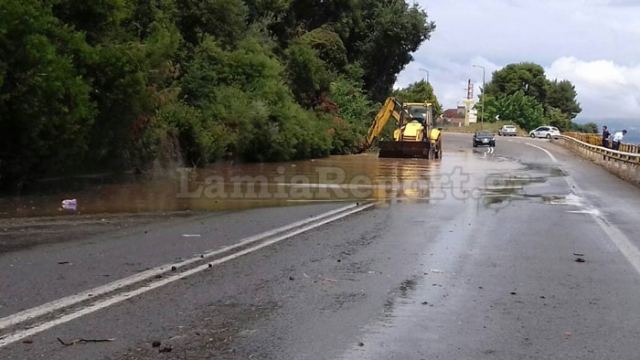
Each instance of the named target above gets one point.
<point>532,136</point>
<point>548,136</point>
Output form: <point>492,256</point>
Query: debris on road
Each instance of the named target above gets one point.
<point>514,293</point>
<point>70,204</point>
<point>191,235</point>
<point>580,260</point>
<point>327,280</point>
<point>156,344</point>
<point>64,263</point>
<point>437,271</point>
<point>578,254</point>
<point>79,341</point>
<point>166,349</point>
<point>27,341</point>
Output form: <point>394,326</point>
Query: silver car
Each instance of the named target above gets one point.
<point>545,132</point>
<point>508,130</point>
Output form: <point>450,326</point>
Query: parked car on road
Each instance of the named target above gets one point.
<point>545,132</point>
<point>508,130</point>
<point>484,138</point>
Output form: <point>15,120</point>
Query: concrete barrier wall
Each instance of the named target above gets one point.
<point>623,164</point>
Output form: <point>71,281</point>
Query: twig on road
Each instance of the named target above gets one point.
<point>78,341</point>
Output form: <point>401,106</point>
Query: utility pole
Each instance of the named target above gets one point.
<point>483,94</point>
<point>425,71</point>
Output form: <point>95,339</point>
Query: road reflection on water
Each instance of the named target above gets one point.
<point>227,186</point>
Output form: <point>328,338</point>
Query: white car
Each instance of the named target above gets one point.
<point>508,130</point>
<point>545,132</point>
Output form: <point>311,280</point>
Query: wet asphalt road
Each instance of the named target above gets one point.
<point>482,265</point>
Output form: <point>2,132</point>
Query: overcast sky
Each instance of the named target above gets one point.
<point>593,43</point>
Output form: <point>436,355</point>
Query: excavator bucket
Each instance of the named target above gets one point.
<point>404,149</point>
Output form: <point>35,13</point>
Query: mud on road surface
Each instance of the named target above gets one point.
<point>25,232</point>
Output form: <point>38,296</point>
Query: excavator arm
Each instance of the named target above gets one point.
<point>392,108</point>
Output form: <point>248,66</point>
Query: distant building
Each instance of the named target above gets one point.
<point>454,117</point>
<point>460,116</point>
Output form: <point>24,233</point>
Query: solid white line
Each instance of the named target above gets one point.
<point>553,158</point>
<point>628,249</point>
<point>58,304</point>
<point>98,305</point>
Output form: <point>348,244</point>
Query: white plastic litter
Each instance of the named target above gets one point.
<point>70,204</point>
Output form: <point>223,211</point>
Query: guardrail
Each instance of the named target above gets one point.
<point>596,139</point>
<point>621,155</point>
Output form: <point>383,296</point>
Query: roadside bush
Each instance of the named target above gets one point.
<point>242,90</point>
<point>201,140</point>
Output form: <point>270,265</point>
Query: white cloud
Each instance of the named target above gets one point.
<point>590,42</point>
<point>605,89</point>
<point>450,78</point>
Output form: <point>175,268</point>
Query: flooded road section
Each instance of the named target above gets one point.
<point>483,255</point>
<point>363,177</point>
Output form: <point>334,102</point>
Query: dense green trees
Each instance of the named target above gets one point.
<point>523,110</point>
<point>45,101</point>
<point>115,84</point>
<point>522,93</point>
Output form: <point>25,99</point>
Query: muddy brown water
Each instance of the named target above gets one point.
<point>232,186</point>
<point>226,186</point>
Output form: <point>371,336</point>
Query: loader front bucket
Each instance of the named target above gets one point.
<point>404,149</point>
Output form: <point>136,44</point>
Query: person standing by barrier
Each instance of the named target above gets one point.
<point>617,139</point>
<point>605,136</point>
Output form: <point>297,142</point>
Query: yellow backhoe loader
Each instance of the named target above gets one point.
<point>415,135</point>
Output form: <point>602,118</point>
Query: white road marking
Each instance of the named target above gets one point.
<point>117,298</point>
<point>587,211</point>
<point>553,158</point>
<point>619,239</point>
<point>49,307</point>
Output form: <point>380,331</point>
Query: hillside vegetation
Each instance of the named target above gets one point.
<point>119,84</point>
